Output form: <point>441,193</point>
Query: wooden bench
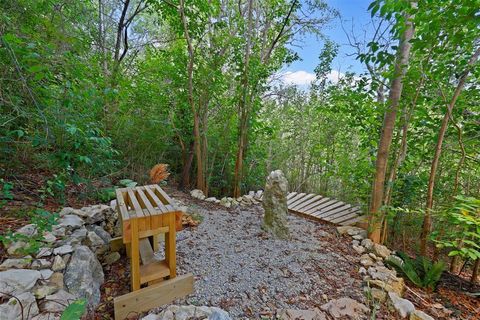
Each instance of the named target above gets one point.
<point>146,213</point>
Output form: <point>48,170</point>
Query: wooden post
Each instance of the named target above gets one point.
<point>170,250</point>
<point>135,255</point>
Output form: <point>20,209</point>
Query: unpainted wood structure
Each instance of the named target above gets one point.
<point>318,207</point>
<point>146,213</point>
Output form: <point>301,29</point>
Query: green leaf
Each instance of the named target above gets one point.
<point>75,310</point>
<point>453,253</point>
<point>128,183</point>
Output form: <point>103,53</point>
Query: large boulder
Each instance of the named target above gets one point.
<point>84,275</point>
<point>275,205</point>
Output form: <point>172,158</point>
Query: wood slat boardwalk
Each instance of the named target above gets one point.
<point>322,208</point>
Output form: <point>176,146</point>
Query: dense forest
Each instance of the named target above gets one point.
<point>93,92</point>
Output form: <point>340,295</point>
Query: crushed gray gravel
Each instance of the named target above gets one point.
<point>243,270</point>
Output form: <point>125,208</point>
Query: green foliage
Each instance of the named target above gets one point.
<point>460,228</point>
<point>127,183</point>
<point>107,194</point>
<point>5,192</point>
<point>75,310</point>
<point>68,104</point>
<point>44,221</point>
<point>54,188</point>
<point>421,271</point>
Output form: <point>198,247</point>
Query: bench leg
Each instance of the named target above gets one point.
<point>156,240</point>
<point>135,256</point>
<point>170,250</point>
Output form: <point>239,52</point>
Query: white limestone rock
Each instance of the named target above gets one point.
<point>71,221</point>
<point>58,264</point>
<point>359,249</point>
<point>294,314</point>
<point>366,261</point>
<point>44,252</point>
<point>57,302</point>
<point>381,250</point>
<point>345,307</point>
<point>42,291</point>
<point>94,214</point>
<point>420,315</point>
<point>45,274</point>
<point>29,230</point>
<point>20,263</point>
<point>403,306</point>
<point>22,304</point>
<point>18,281</point>
<point>197,194</point>
<point>63,250</point>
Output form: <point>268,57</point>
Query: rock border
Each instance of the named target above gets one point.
<point>252,198</point>
<point>381,283</point>
<point>67,267</point>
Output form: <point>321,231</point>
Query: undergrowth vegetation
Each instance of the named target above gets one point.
<point>96,92</point>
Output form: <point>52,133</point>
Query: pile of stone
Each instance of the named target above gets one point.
<point>381,282</point>
<point>342,308</point>
<point>66,267</point>
<point>228,202</point>
<point>189,312</point>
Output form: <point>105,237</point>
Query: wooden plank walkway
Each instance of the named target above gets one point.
<point>322,208</point>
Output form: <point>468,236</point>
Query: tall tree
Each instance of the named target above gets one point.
<point>427,221</point>
<point>401,64</point>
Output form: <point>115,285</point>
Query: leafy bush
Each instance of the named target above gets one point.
<point>5,192</point>
<point>461,228</point>
<point>44,220</point>
<point>127,183</point>
<point>421,271</point>
<point>54,188</point>
<point>83,147</point>
<point>107,194</point>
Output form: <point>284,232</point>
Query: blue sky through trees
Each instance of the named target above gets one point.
<point>353,13</point>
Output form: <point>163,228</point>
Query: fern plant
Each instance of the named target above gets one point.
<point>421,271</point>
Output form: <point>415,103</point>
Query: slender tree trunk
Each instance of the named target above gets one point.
<point>191,101</point>
<point>187,166</point>
<point>402,151</point>
<point>101,38</point>
<point>403,55</point>
<point>118,43</point>
<point>243,108</point>
<point>476,267</point>
<point>462,158</point>
<point>427,221</point>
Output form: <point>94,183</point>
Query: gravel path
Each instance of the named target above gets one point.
<point>241,269</point>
